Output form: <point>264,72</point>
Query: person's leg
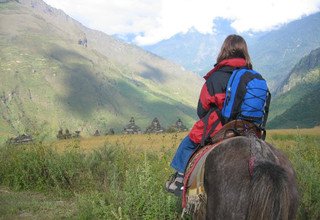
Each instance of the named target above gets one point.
<point>183,154</point>
<point>179,163</point>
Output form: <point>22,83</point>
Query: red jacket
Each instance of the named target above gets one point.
<point>212,97</point>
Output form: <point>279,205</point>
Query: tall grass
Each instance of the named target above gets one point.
<point>119,180</point>
<point>109,182</point>
<point>304,153</point>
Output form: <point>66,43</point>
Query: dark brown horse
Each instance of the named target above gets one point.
<point>247,178</point>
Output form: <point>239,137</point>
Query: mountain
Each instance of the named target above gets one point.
<point>274,53</point>
<point>297,104</point>
<point>57,73</point>
<point>193,50</point>
<point>193,56</point>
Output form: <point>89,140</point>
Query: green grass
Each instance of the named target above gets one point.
<point>118,180</point>
<point>108,182</point>
<point>34,205</point>
<point>303,150</point>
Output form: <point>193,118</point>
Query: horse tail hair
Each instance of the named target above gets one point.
<point>269,192</point>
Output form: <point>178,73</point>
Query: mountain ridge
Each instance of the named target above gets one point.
<point>273,53</point>
<point>297,74</point>
<point>297,104</point>
<point>51,81</point>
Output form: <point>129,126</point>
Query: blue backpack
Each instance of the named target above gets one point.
<point>247,98</point>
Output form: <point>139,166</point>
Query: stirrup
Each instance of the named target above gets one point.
<point>175,184</point>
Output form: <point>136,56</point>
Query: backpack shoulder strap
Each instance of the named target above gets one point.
<point>205,120</point>
<point>265,118</point>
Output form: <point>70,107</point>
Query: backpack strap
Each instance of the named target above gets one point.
<point>265,118</point>
<point>205,135</point>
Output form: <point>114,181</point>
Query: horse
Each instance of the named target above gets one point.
<point>248,178</point>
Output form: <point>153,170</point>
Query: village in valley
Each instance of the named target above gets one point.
<point>131,128</point>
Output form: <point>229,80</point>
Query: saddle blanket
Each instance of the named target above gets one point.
<point>194,175</point>
<point>193,186</point>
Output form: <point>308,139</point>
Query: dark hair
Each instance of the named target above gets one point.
<point>234,46</point>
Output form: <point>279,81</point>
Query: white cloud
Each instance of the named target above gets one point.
<point>154,20</point>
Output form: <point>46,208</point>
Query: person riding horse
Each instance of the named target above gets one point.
<point>233,54</point>
<point>236,174</point>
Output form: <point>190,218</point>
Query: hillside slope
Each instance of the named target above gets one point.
<point>298,101</point>
<point>49,80</point>
<point>297,116</point>
<point>277,52</point>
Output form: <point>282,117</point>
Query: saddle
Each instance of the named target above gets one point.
<point>193,195</point>
<point>236,128</point>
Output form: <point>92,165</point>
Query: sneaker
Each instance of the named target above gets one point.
<point>175,184</point>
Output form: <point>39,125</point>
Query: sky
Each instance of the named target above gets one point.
<point>150,21</point>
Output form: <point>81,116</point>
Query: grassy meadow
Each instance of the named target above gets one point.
<point>122,176</point>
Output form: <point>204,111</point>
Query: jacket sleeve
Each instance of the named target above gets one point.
<point>205,101</point>
<point>210,98</point>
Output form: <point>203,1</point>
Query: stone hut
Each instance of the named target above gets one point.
<point>110,132</point>
<point>60,134</point>
<point>20,139</point>
<point>96,133</point>
<point>67,134</point>
<point>155,127</point>
<point>83,41</point>
<point>76,134</point>
<point>131,128</point>
<point>178,127</point>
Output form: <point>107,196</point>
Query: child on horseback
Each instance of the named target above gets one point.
<point>233,54</point>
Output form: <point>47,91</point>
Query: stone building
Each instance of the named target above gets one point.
<point>131,128</point>
<point>155,127</point>
<point>20,139</point>
<point>67,134</point>
<point>110,132</point>
<point>96,133</point>
<point>178,127</point>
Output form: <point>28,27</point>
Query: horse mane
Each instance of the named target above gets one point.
<point>268,192</point>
